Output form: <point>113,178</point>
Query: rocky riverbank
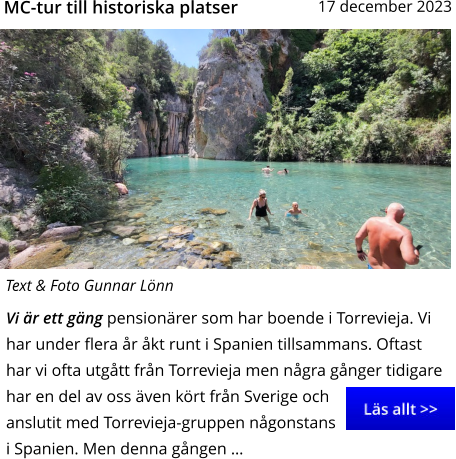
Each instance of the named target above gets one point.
<point>175,246</point>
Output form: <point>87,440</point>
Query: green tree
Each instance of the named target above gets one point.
<point>280,138</point>
<point>343,71</point>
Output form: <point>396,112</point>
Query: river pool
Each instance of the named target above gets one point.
<point>336,197</point>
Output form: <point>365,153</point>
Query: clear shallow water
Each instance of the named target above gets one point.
<point>337,198</point>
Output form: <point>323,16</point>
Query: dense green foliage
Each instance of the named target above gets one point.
<point>280,135</point>
<point>6,230</point>
<point>53,82</point>
<point>110,149</point>
<point>366,95</point>
<point>303,39</point>
<point>71,192</point>
<point>222,46</point>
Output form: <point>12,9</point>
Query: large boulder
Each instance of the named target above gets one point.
<point>16,188</point>
<point>18,246</point>
<point>42,256</point>
<point>63,233</point>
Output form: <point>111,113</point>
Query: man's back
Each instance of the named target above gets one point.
<point>390,244</point>
<point>385,239</point>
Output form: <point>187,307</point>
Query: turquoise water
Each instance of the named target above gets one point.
<point>337,198</point>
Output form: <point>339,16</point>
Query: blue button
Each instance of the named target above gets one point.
<point>400,408</point>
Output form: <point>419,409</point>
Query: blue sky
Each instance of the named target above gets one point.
<point>183,43</point>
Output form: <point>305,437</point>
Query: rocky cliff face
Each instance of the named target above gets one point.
<point>170,138</point>
<point>230,96</point>
<point>17,197</point>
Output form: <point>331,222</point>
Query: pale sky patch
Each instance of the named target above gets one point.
<point>183,44</point>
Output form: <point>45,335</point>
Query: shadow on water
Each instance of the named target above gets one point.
<point>273,229</point>
<point>294,223</point>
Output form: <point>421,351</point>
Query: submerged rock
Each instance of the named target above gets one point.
<point>147,239</point>
<point>180,231</point>
<point>209,210</point>
<point>125,231</point>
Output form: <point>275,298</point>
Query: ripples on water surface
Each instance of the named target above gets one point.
<point>337,198</point>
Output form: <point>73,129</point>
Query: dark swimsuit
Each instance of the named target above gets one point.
<point>261,211</point>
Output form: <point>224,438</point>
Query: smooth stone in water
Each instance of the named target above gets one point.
<point>62,233</point>
<point>209,210</point>
<point>125,231</point>
<point>128,241</point>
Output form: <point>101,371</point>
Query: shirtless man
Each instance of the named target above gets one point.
<point>121,188</point>
<point>390,244</point>
<point>267,170</point>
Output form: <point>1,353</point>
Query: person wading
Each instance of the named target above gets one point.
<point>261,206</point>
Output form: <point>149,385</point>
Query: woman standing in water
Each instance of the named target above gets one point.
<point>261,206</point>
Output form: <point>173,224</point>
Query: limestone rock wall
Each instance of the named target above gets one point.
<point>229,96</point>
<point>228,99</point>
<point>170,138</point>
<point>143,149</point>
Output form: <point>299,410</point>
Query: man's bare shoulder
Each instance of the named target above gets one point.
<point>374,220</point>
<point>405,231</point>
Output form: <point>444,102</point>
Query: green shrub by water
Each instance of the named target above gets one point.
<point>71,193</point>
<point>6,230</point>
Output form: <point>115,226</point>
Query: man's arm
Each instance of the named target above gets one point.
<point>362,234</point>
<point>409,254</point>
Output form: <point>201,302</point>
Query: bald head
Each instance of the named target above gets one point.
<point>396,207</point>
<point>396,211</point>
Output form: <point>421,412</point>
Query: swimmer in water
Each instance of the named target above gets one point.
<point>284,172</point>
<point>294,211</point>
<point>267,170</point>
